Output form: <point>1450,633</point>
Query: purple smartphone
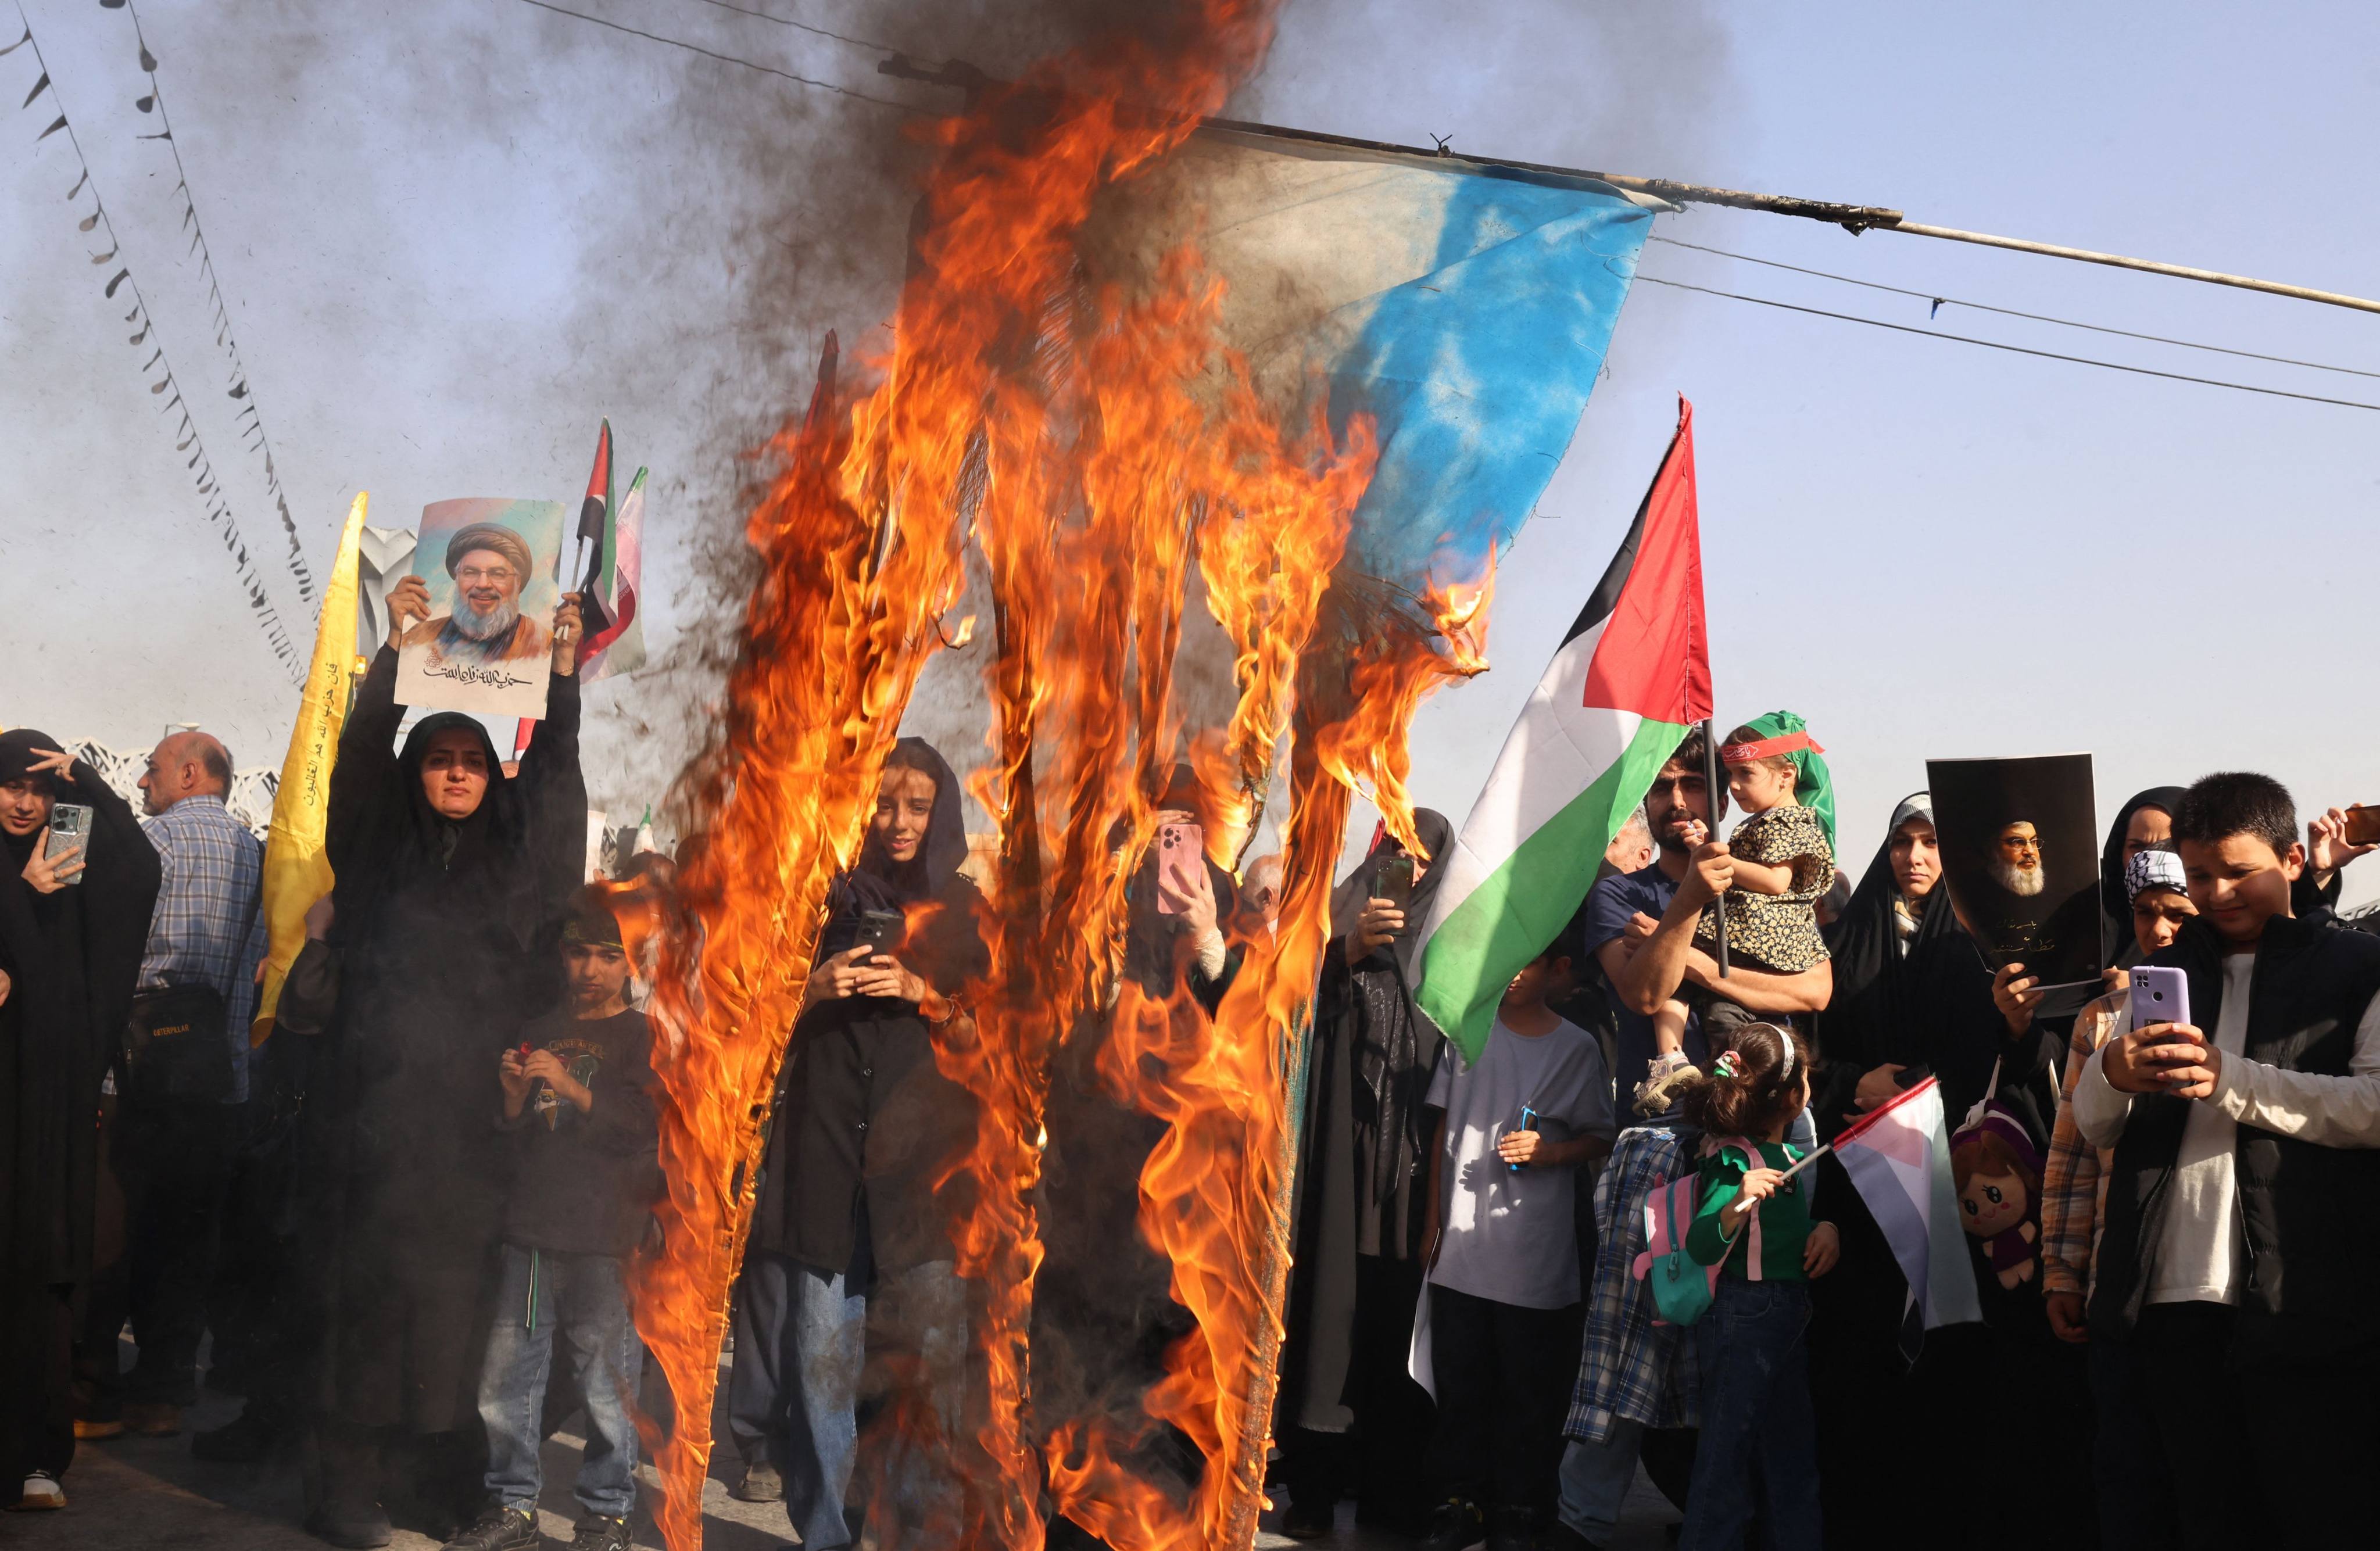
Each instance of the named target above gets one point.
<point>2160,994</point>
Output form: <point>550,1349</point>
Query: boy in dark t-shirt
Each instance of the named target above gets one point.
<point>580,1106</point>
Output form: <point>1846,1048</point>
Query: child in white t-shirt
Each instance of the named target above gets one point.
<point>1504,1309</point>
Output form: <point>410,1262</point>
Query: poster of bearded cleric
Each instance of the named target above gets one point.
<point>488,644</point>
<point>2021,855</point>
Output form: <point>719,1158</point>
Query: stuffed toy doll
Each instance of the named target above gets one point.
<point>1997,1171</point>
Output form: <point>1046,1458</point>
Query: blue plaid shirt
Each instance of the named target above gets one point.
<point>1629,1367</point>
<point>208,925</point>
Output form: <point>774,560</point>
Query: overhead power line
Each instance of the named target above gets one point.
<point>804,26</point>
<point>722,58</point>
<point>1942,301</point>
<point>1996,345</point>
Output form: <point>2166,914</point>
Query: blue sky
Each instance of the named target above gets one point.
<point>453,235</point>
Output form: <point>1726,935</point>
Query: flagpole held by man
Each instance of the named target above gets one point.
<point>1628,681</point>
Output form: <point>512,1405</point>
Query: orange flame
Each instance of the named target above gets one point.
<point>1095,443</point>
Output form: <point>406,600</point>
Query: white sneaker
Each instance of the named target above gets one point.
<point>41,1492</point>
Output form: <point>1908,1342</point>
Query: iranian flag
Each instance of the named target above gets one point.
<point>1631,677</point>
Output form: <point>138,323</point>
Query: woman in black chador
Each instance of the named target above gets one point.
<point>72,927</point>
<point>452,877</point>
<point>1349,1416</point>
<point>849,1297</point>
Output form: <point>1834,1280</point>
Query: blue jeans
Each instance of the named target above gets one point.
<point>793,1398</point>
<point>1760,1432</point>
<point>1596,1478</point>
<point>585,1298</point>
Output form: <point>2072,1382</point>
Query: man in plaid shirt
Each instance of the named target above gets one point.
<point>171,1157</point>
<point>1633,1374</point>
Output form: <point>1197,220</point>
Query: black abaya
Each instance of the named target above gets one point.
<point>72,958</point>
<point>444,930</point>
<point>1922,1000</point>
<point>1361,1209</point>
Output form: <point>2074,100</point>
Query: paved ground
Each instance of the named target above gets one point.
<point>137,1493</point>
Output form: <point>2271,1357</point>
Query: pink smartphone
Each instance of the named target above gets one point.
<point>1181,851</point>
<point>2160,994</point>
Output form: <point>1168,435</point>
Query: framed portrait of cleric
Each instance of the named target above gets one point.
<point>2021,856</point>
<point>488,644</point>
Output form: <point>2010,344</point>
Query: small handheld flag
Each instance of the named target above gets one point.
<point>1897,1155</point>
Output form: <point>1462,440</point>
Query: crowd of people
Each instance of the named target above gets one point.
<point>399,1219</point>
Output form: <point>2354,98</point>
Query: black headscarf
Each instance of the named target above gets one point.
<point>399,844</point>
<point>2114,904</point>
<point>885,884</point>
<point>72,957</point>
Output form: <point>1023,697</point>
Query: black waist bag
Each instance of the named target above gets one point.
<point>175,1047</point>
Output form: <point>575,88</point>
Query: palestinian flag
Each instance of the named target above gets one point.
<point>1613,705</point>
<point>595,527</point>
<point>1899,1159</point>
<point>619,646</point>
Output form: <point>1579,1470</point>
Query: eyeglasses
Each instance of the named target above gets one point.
<point>471,575</point>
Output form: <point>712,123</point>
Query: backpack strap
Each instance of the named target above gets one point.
<point>1753,1160</point>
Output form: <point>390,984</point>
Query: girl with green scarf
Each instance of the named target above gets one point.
<point>1784,856</point>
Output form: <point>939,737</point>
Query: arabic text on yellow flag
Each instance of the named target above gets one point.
<point>297,869</point>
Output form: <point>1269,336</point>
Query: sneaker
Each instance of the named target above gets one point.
<point>1455,1526</point>
<point>41,1494</point>
<point>1513,1529</point>
<point>152,1419</point>
<point>87,1431</point>
<point>1304,1522</point>
<point>1657,1093</point>
<point>241,1441</point>
<point>499,1529</point>
<point>761,1483</point>
<point>597,1533</point>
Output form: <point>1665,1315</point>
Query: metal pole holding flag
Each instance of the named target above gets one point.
<point>1711,791</point>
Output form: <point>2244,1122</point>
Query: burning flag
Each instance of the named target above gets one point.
<point>1615,702</point>
<point>1466,312</point>
<point>1898,1156</point>
<point>1150,387</point>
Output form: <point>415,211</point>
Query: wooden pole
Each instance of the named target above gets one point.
<point>1711,784</point>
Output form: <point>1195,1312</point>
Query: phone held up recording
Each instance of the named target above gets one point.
<point>69,829</point>
<point>880,931</point>
<point>1394,882</point>
<point>1181,851</point>
<point>2160,994</point>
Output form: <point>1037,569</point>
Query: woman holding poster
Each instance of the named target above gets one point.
<point>451,876</point>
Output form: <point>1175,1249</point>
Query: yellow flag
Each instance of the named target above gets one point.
<point>297,869</point>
